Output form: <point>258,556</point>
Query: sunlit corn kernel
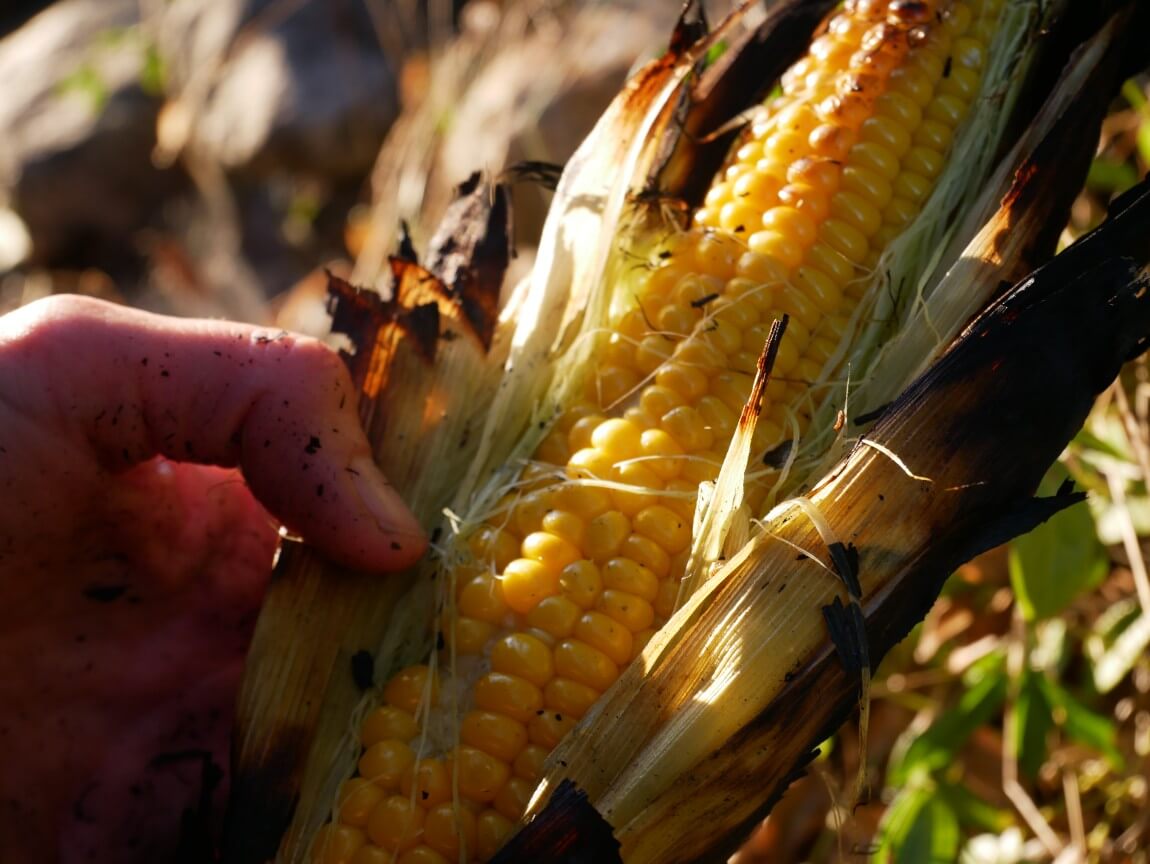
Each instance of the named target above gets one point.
<point>491,831</point>
<point>387,722</point>
<point>623,574</point>
<point>525,582</point>
<point>665,600</point>
<point>481,598</point>
<point>336,844</point>
<point>610,384</point>
<point>569,697</point>
<point>687,428</point>
<point>663,526</point>
<point>449,828</point>
<point>528,510</point>
<point>721,419</point>
<point>407,688</point>
<point>652,351</point>
<point>689,382</point>
<point>369,854</point>
<point>657,400</point>
<point>605,535</point>
<point>831,141</point>
<point>845,239</point>
<point>584,500</point>
<point>795,303</point>
<point>933,134</point>
<point>550,550</point>
<point>924,162</point>
<point>805,199</point>
<point>641,486</point>
<point>577,660</point>
<point>508,694</point>
<point>547,728</point>
<point>385,762</point>
<point>422,855</point>
<point>494,733</point>
<point>677,318</point>
<point>913,187</point>
<point>468,636</point>
<point>480,775</point>
<point>760,270</point>
<point>581,583</point>
<point>513,798</point>
<point>755,191</point>
<point>632,612</point>
<point>579,435</point>
<point>735,389</point>
<point>555,615</point>
<point>427,782</point>
<point>819,287</point>
<point>721,335</point>
<point>523,656</point>
<point>396,824</point>
<point>899,212</point>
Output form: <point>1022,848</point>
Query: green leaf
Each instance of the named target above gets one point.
<point>89,84</point>
<point>153,75</point>
<point>1032,712</point>
<point>1056,562</point>
<point>1080,723</point>
<point>919,827</point>
<point>974,812</point>
<point>934,749</point>
<point>1110,176</point>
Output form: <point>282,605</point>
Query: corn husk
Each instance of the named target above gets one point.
<point>475,408</point>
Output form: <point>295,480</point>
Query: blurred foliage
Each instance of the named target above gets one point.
<point>1060,687</point>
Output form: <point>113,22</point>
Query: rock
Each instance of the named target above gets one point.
<point>77,129</point>
<point>261,86</point>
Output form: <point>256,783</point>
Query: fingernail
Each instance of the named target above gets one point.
<point>378,496</point>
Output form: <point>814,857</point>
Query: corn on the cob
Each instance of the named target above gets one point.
<point>573,577</point>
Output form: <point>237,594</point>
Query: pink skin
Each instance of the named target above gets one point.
<point>129,583</point>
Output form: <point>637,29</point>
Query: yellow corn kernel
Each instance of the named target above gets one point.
<point>448,828</point>
<point>406,690</point>
<point>422,855</point>
<point>581,583</point>
<point>632,612</point>
<point>388,722</point>
<point>528,764</point>
<point>513,797</point>
<point>555,615</point>
<point>336,844</point>
<point>524,656</point>
<point>605,535</point>
<point>569,697</point>
<point>427,782</point>
<point>510,695</point>
<point>356,799</point>
<point>491,830</point>
<point>494,734</point>
<point>396,824</point>
<point>385,763</point>
<point>581,662</point>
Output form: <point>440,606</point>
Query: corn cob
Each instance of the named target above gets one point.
<point>571,579</point>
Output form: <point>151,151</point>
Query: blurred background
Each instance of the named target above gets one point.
<point>211,157</point>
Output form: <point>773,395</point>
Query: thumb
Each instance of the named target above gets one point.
<point>280,406</point>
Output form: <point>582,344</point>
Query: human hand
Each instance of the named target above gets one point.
<point>129,583</point>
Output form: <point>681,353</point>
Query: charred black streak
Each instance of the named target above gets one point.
<point>363,669</point>
<point>703,301</point>
<point>846,562</point>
